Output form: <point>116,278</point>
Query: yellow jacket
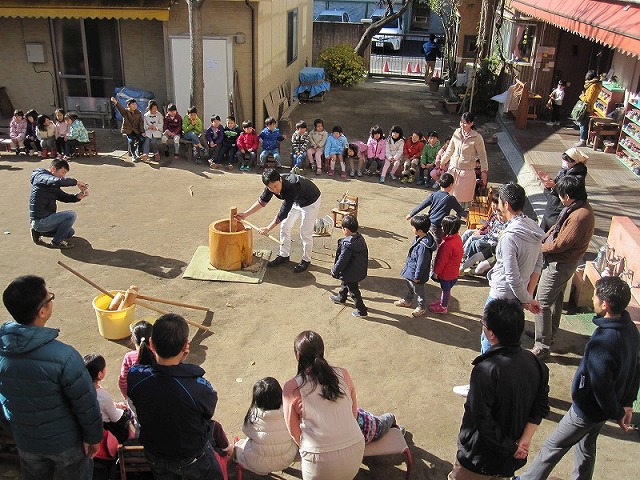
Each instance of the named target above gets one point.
<point>592,89</point>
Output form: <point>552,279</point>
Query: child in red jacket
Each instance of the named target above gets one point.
<point>247,144</point>
<point>412,150</point>
<point>446,266</point>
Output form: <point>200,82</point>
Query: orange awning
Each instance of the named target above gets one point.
<point>118,9</point>
<point>613,23</point>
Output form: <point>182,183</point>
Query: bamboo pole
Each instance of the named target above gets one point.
<point>271,237</point>
<point>138,302</point>
<point>172,302</point>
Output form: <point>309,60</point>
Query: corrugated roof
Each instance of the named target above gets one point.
<point>119,9</point>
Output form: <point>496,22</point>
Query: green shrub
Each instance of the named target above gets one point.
<point>342,65</point>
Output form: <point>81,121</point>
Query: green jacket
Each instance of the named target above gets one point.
<point>429,153</point>
<point>187,126</point>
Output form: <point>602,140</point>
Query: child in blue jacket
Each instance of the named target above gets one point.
<point>418,264</point>
<point>334,150</point>
<point>270,138</point>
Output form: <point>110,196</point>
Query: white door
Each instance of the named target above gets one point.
<point>218,76</point>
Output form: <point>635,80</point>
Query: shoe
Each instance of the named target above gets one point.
<point>277,261</point>
<point>337,299</point>
<point>330,173</point>
<point>212,165</point>
<point>435,185</point>
<point>176,157</point>
<point>435,302</point>
<point>418,312</point>
<point>462,390</point>
<point>402,303</point>
<point>581,143</point>
<point>230,166</point>
<point>550,124</point>
<point>438,308</point>
<point>63,245</point>
<point>381,180</point>
<point>377,172</point>
<point>359,173</point>
<point>144,157</point>
<point>343,174</point>
<point>543,354</point>
<point>352,174</point>
<point>393,177</point>
<point>166,153</point>
<point>420,182</point>
<point>358,314</point>
<point>198,161</point>
<point>404,179</point>
<point>319,171</point>
<point>367,172</point>
<point>556,123</point>
<point>482,267</point>
<point>411,179</point>
<point>35,236</point>
<point>301,267</point>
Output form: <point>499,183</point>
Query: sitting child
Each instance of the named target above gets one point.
<point>247,145</point>
<point>31,140</point>
<point>437,169</point>
<point>334,151</point>
<point>140,335</point>
<point>153,123</point>
<point>76,136</point>
<point>376,151</point>
<point>61,131</point>
<point>191,131</point>
<point>171,130</point>
<point>445,265</point>
<point>132,126</point>
<point>269,447</point>
<point>116,417</point>
<point>373,427</point>
<point>17,131</point>
<point>317,140</point>
<point>412,150</point>
<point>428,158</point>
<point>299,147</point>
<point>270,138</point>
<point>229,142</point>
<point>47,135</point>
<point>214,136</point>
<point>395,149</point>
<point>355,153</point>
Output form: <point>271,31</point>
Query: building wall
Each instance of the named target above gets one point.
<point>26,88</point>
<point>143,59</point>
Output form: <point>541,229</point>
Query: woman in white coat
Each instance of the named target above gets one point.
<point>465,147</point>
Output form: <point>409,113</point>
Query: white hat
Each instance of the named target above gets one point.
<point>576,155</point>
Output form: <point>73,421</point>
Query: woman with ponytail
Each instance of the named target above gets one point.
<point>320,411</point>
<point>142,355</point>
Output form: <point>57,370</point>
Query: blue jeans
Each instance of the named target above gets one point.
<point>418,290</point>
<point>584,128</point>
<point>148,143</point>
<point>263,156</point>
<point>204,466</point>
<point>191,137</point>
<point>72,463</point>
<point>132,138</point>
<point>60,224</point>
<point>298,160</point>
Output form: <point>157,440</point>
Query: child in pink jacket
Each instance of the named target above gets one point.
<point>376,151</point>
<point>18,130</point>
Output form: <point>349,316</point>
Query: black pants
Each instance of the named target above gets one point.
<point>555,112</point>
<point>354,291</point>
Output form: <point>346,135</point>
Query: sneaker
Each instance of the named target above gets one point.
<point>198,160</point>
<point>438,308</point>
<point>368,172</point>
<point>338,299</point>
<point>343,174</point>
<point>358,314</point>
<point>435,302</point>
<point>381,180</point>
<point>402,303</point>
<point>411,179</point>
<point>63,245</point>
<point>393,177</point>
<point>418,312</point>
<point>230,166</point>
<point>543,354</point>
<point>377,172</point>
<point>35,236</point>
<point>482,267</point>
<point>212,165</point>
<point>550,124</point>
<point>319,171</point>
<point>359,173</point>
<point>420,182</point>
<point>144,157</point>
<point>301,267</point>
<point>581,143</point>
<point>176,157</point>
<point>352,174</point>
<point>462,390</point>
<point>404,179</point>
<point>277,261</point>
<point>330,173</point>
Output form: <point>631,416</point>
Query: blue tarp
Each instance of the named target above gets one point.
<point>312,81</point>
<point>141,97</point>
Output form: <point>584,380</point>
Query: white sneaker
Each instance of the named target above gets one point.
<point>581,143</point>
<point>462,390</point>
<point>550,124</point>
<point>482,267</point>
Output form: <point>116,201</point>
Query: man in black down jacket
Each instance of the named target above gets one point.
<point>45,192</point>
<point>508,397</point>
<point>351,263</point>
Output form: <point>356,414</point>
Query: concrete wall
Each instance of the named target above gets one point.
<point>26,88</point>
<point>143,58</point>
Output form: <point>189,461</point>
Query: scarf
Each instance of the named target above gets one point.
<point>564,214</point>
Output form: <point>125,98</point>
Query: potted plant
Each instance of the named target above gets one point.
<point>434,83</point>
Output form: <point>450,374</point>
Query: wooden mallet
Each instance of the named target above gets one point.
<point>271,237</point>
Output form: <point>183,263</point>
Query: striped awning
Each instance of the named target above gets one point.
<point>614,23</point>
<point>118,9</point>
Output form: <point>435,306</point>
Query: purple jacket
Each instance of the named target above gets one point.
<point>377,148</point>
<point>17,130</point>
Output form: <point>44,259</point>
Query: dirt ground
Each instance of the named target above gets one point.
<point>141,225</point>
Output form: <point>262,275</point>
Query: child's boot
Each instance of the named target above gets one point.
<point>53,153</point>
<point>44,153</point>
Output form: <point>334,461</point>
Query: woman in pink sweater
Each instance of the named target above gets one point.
<point>140,335</point>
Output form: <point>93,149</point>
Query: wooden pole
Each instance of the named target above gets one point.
<point>271,237</point>
<point>233,223</point>
<point>138,302</point>
<point>172,302</point>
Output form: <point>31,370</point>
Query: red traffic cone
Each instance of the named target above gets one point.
<point>385,69</point>
<point>436,74</point>
<point>408,67</point>
<point>417,69</point>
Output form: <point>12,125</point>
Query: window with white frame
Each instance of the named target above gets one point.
<point>292,35</point>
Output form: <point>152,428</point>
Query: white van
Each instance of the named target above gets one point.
<point>391,33</point>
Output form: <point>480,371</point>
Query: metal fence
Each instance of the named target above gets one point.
<point>407,61</point>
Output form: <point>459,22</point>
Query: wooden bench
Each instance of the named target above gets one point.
<point>89,149</point>
<point>392,443</point>
<point>480,208</point>
<point>624,237</point>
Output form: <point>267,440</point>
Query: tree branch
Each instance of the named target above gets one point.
<point>373,29</point>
